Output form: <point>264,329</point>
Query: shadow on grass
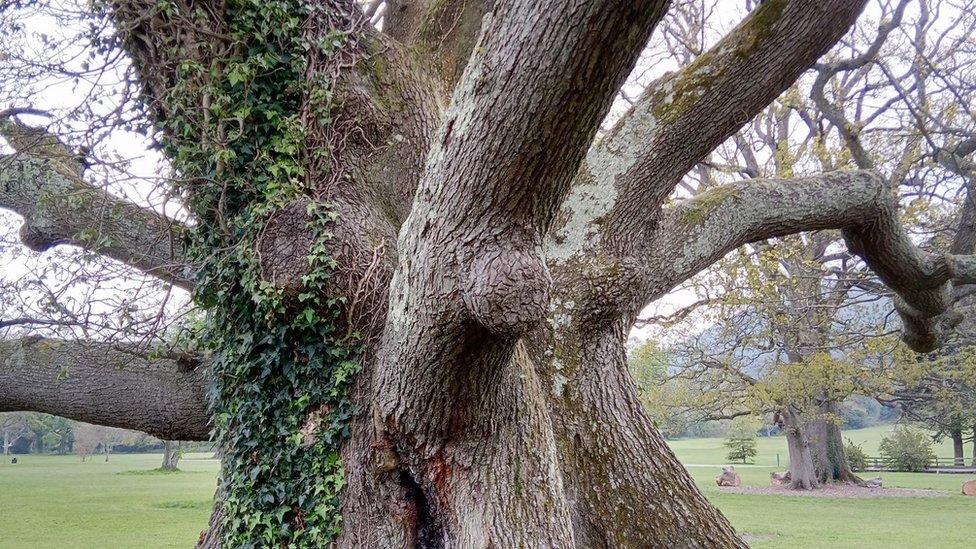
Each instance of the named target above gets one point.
<point>183,504</point>
<point>159,471</point>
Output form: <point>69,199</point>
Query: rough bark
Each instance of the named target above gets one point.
<point>497,407</point>
<point>611,454</point>
<point>609,230</point>
<point>724,88</point>
<point>803,474</point>
<point>458,408</point>
<point>859,203</point>
<point>104,384</point>
<point>721,219</point>
<point>442,32</point>
<point>829,456</point>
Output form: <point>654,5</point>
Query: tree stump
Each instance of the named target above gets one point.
<point>728,477</point>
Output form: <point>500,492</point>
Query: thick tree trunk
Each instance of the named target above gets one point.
<point>625,486</point>
<point>172,452</point>
<point>816,448</point>
<point>478,427</point>
<point>563,446</point>
<point>958,447</point>
<point>803,474</point>
<point>827,447</point>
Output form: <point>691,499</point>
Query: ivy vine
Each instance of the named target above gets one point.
<point>281,370</point>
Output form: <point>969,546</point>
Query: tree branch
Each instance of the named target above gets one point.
<point>484,179</point>
<point>104,384</point>
<point>43,183</point>
<point>701,230</point>
<point>470,279</point>
<point>834,114</point>
<point>684,116</point>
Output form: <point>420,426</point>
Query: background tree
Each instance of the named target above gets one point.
<point>89,439</point>
<point>807,326</point>
<point>12,427</point>
<point>741,439</point>
<point>416,256</point>
<point>49,433</point>
<point>172,453</point>
<point>939,391</point>
<point>86,437</point>
<point>661,397</point>
<point>907,449</point>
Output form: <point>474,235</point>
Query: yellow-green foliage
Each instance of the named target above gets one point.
<point>661,396</point>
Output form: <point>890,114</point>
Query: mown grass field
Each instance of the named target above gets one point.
<point>790,522</point>
<point>59,502</point>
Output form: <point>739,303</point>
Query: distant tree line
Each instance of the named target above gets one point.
<point>37,433</point>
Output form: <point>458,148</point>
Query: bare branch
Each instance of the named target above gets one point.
<point>43,183</point>
<point>104,384</point>
<point>826,72</point>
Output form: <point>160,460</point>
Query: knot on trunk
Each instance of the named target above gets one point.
<point>507,290</point>
<point>283,247</point>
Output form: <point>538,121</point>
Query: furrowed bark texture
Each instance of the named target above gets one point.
<point>803,475</point>
<point>609,253</point>
<point>626,488</point>
<point>103,384</point>
<point>442,32</point>
<point>496,404</point>
<point>827,445</point>
<point>457,395</point>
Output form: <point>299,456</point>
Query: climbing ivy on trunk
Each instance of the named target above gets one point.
<point>281,366</point>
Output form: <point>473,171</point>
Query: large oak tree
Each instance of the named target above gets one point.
<point>485,250</point>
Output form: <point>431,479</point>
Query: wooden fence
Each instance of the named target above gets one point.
<point>935,465</point>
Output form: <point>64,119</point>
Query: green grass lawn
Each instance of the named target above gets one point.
<point>799,522</point>
<point>60,502</point>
